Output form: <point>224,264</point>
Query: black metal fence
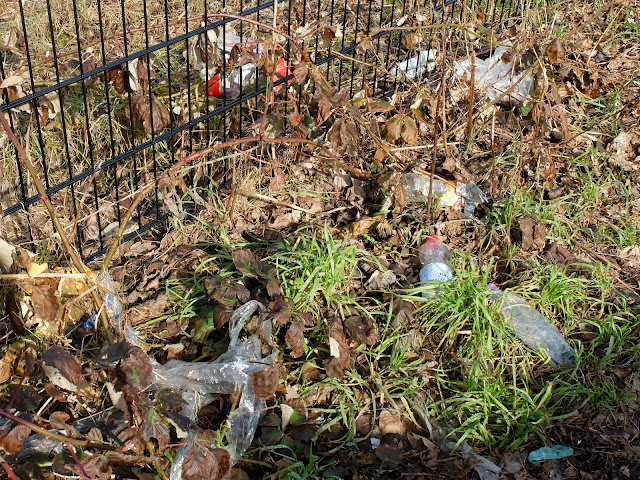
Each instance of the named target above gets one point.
<point>108,94</point>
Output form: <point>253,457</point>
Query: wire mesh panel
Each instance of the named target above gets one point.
<point>107,95</point>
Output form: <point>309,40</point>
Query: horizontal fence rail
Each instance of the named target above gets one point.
<point>107,96</point>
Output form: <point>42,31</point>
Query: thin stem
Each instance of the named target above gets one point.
<point>75,258</point>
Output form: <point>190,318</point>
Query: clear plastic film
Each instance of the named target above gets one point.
<point>111,305</point>
<point>229,373</point>
<point>448,194</point>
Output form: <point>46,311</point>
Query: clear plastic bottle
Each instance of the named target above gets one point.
<point>531,327</point>
<point>434,257</point>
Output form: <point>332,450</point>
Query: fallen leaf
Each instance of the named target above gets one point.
<point>295,338</point>
<point>409,130</point>
<point>45,302</point>
<point>559,254</point>
<point>311,372</point>
<point>13,440</point>
<point>555,51</point>
<point>380,280</point>
<point>394,127</point>
<point>265,382</point>
<point>226,291</point>
<point>631,256</point>
<point>66,365</point>
<point>301,72</point>
<point>364,45</point>
<point>135,367</point>
<point>26,398</point>
<point>390,423</point>
<point>328,34</point>
<point>389,453</point>
<point>154,118</point>
<point>153,427</point>
<point>246,262</point>
<point>204,461</point>
<point>340,353</point>
<point>527,224</point>
<point>362,330</point>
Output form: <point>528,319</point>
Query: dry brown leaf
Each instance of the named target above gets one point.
<point>555,51</point>
<point>13,440</point>
<point>394,127</point>
<point>295,338</point>
<point>45,302</point>
<point>390,423</point>
<point>65,363</point>
<point>301,72</point>
<point>389,453</point>
<point>246,262</point>
<point>204,460</point>
<point>265,382</point>
<point>362,330</point>
<point>154,119</point>
<point>311,372</point>
<point>340,353</point>
<point>328,34</point>
<point>364,45</point>
<point>409,130</point>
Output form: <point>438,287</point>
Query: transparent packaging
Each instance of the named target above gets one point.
<point>531,327</point>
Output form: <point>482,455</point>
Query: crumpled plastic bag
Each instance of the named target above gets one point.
<point>413,68</point>
<point>229,373</point>
<point>495,76</point>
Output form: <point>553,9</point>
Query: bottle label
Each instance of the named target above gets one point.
<point>439,272</point>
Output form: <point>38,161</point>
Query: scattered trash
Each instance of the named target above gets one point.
<point>531,327</point>
<point>228,374</point>
<point>413,68</point>
<point>242,77</point>
<point>496,76</point>
<point>449,194</point>
<point>449,443</point>
<point>111,304</point>
<point>434,256</point>
<point>549,453</point>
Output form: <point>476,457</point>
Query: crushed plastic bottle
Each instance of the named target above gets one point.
<point>549,453</point>
<point>449,194</point>
<point>416,66</point>
<point>531,327</point>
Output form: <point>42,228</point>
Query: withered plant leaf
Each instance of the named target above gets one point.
<point>527,225</point>
<point>362,330</point>
<point>311,372</point>
<point>301,72</point>
<point>68,366</point>
<point>340,354</point>
<point>204,460</point>
<point>394,127</point>
<point>281,311</point>
<point>58,420</point>
<point>295,338</point>
<point>409,130</point>
<point>153,426</point>
<point>246,262</point>
<point>225,291</point>
<point>13,440</point>
<point>403,311</point>
<point>328,34</point>
<point>221,315</point>
<point>154,119</point>
<point>364,45</point>
<point>135,367</point>
<point>555,51</point>
<point>265,382</point>
<point>45,302</point>
<point>26,398</point>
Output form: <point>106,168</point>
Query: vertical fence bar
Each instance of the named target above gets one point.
<point>112,142</point>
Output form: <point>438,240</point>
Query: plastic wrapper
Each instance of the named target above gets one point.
<point>467,196</point>
<point>413,68</point>
<point>112,304</point>
<point>549,453</point>
<point>229,373</point>
<point>531,327</point>
<point>495,76</point>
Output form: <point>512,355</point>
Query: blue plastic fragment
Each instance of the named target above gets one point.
<point>112,305</point>
<point>549,453</point>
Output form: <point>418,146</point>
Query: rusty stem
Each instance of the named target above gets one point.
<point>75,258</point>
